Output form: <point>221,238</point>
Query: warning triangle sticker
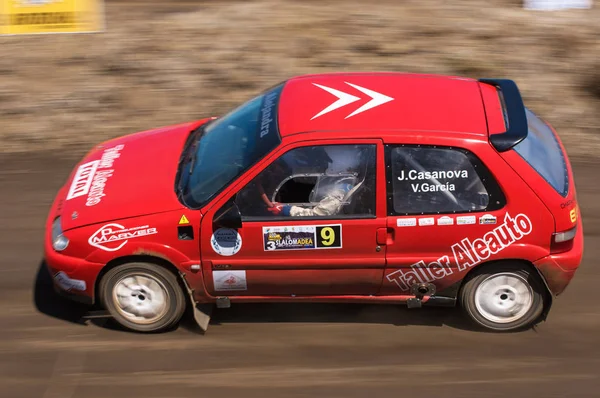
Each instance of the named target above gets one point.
<point>183,220</point>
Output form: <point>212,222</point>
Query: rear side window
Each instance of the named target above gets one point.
<point>434,180</point>
<point>542,151</point>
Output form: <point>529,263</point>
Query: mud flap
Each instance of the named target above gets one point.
<point>549,297</point>
<point>202,312</point>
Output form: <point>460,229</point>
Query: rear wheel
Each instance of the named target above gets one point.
<point>142,297</point>
<point>505,297</point>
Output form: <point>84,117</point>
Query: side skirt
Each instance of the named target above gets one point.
<point>400,299</point>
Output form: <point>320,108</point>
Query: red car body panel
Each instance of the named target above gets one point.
<point>421,103</point>
<point>137,213</point>
<point>126,177</point>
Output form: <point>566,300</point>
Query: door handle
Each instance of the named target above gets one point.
<point>382,236</point>
<point>385,236</point>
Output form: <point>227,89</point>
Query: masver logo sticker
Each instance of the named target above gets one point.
<point>112,237</point>
<point>466,253</point>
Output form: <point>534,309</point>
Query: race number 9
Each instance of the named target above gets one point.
<point>329,236</point>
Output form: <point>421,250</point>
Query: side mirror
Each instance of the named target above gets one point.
<point>229,216</point>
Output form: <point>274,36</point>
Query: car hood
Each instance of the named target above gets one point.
<point>130,176</point>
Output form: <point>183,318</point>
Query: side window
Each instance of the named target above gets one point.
<point>437,180</point>
<point>314,181</point>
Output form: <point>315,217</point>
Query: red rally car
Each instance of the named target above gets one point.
<point>345,187</point>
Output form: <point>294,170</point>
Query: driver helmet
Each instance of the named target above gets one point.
<point>342,174</point>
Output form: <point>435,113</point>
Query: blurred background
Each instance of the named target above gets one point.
<point>165,62</point>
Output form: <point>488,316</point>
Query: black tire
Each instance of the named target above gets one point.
<point>161,290</point>
<point>476,306</point>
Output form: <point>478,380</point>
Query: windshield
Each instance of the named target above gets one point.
<point>227,147</point>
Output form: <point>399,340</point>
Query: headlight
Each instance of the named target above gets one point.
<point>59,241</point>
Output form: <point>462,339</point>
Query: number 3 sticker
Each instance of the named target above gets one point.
<point>329,236</point>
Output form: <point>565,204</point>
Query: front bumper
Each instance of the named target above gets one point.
<point>72,277</point>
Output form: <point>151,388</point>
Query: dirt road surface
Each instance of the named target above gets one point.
<point>282,350</point>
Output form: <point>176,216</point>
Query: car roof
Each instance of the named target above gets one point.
<point>369,102</point>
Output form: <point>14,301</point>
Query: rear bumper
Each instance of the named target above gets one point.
<point>558,269</point>
<point>555,276</point>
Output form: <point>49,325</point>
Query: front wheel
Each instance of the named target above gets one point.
<point>142,297</point>
<point>505,297</point>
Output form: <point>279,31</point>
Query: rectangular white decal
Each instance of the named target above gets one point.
<point>406,222</point>
<point>487,219</point>
<point>229,280</point>
<point>464,220</point>
<point>426,221</point>
<point>445,220</point>
<point>90,178</point>
<point>83,179</point>
<point>466,253</point>
<point>302,237</point>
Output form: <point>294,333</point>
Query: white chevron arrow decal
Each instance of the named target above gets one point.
<point>376,99</point>
<point>344,99</point>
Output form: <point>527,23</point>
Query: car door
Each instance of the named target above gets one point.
<point>440,199</point>
<point>294,248</point>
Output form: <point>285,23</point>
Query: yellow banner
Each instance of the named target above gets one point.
<point>51,16</point>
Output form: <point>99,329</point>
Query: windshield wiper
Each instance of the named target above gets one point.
<point>194,146</point>
<point>193,160</point>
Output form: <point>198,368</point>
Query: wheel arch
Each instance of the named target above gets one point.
<point>456,289</point>
<point>141,258</point>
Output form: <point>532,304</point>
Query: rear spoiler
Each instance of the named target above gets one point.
<point>515,117</point>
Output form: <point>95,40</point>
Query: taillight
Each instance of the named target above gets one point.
<point>563,241</point>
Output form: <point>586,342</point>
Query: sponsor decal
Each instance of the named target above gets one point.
<point>112,237</point>
<point>304,237</point>
<point>464,220</point>
<point>183,220</point>
<point>51,16</point>
<point>90,178</point>
<point>445,220</point>
<point>567,203</point>
<point>344,99</point>
<point>226,241</point>
<point>266,111</point>
<point>426,221</point>
<point>229,280</point>
<point>83,179</point>
<point>487,219</point>
<point>103,172</point>
<point>67,283</point>
<point>406,222</point>
<point>465,254</point>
